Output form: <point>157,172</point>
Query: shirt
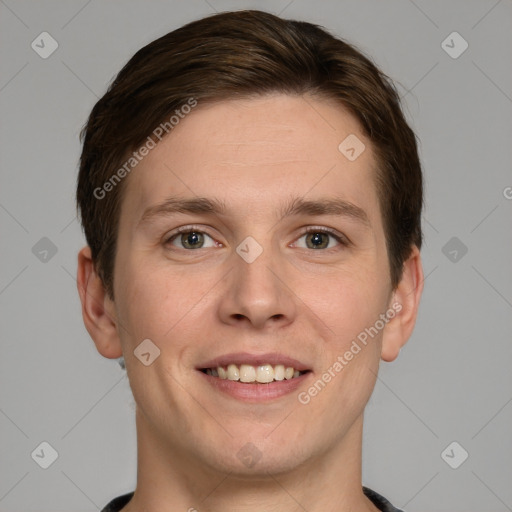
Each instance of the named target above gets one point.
<point>379,501</point>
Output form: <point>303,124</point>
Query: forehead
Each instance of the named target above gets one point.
<point>252,152</point>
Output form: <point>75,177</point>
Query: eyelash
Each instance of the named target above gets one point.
<point>341,239</point>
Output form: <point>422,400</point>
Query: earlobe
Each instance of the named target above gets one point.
<point>97,309</point>
<point>407,295</point>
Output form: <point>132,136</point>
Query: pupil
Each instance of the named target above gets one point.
<point>317,240</point>
<point>190,239</point>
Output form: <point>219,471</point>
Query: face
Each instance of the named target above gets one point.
<point>258,272</point>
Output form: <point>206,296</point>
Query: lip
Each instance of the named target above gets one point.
<point>255,393</point>
<point>239,358</point>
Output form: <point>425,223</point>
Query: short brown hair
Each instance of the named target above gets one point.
<point>244,54</point>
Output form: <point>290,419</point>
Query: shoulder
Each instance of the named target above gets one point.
<point>118,503</point>
<point>379,501</point>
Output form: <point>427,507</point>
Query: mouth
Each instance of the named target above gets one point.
<point>250,374</point>
<point>254,378</point>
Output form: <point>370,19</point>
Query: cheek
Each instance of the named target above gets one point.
<point>347,300</point>
<point>350,307</point>
<point>157,301</point>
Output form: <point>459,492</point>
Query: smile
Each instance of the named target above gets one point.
<point>249,374</point>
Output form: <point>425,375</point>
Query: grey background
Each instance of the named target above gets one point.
<point>452,381</point>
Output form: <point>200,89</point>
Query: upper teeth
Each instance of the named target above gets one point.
<point>247,373</point>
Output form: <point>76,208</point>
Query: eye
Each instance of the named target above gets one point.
<point>189,237</point>
<point>322,238</point>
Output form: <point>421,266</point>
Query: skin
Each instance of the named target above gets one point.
<point>200,303</point>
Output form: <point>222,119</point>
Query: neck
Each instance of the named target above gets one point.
<point>168,480</point>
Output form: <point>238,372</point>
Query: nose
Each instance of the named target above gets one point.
<point>258,292</point>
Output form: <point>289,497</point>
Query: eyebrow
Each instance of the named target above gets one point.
<point>296,206</point>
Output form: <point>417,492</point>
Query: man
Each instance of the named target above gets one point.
<point>251,196</point>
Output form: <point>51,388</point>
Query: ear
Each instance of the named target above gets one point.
<point>98,310</point>
<point>407,295</point>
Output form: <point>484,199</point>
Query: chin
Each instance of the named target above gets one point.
<point>251,458</point>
